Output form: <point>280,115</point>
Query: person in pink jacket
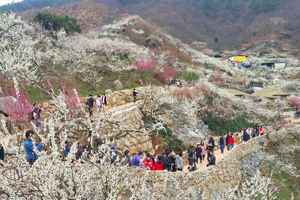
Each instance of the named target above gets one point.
<point>203,147</point>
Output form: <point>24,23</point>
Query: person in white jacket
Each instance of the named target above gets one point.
<point>99,102</point>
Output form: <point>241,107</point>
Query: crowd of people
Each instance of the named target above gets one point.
<point>168,160</point>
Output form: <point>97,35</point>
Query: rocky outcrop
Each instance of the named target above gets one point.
<point>249,164</point>
<point>189,133</point>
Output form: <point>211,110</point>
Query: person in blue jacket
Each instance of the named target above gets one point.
<point>31,155</point>
<point>137,160</point>
<point>67,149</point>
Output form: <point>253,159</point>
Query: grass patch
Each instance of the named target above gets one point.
<point>292,141</point>
<point>221,126</point>
<point>35,94</point>
<point>188,76</point>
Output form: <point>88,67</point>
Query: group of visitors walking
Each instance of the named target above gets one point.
<point>101,102</point>
<point>166,161</point>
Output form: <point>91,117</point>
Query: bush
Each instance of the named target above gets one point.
<point>188,76</point>
<point>166,75</point>
<point>222,126</point>
<point>53,22</point>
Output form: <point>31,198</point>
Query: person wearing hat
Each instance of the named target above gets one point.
<point>136,161</point>
<point>31,155</point>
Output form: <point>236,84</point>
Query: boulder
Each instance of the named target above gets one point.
<point>108,91</point>
<point>118,85</point>
<point>127,143</point>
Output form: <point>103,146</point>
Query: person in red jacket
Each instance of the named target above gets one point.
<point>261,131</point>
<point>159,164</point>
<point>148,162</point>
<point>231,142</point>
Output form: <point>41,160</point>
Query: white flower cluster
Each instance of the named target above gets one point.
<point>257,186</point>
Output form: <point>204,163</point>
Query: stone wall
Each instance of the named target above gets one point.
<point>215,180</point>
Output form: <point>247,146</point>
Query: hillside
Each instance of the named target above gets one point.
<point>50,80</point>
<point>88,14</point>
<point>221,24</point>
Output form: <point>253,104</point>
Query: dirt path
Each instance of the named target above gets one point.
<point>218,155</point>
<point>291,118</point>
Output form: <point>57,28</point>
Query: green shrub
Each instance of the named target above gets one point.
<point>222,126</point>
<point>54,22</point>
<point>188,76</point>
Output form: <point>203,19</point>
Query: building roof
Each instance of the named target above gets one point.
<point>266,63</point>
<point>271,93</point>
<point>236,92</point>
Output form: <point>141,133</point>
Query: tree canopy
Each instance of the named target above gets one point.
<point>54,22</point>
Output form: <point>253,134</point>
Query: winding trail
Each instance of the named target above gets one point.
<point>218,155</point>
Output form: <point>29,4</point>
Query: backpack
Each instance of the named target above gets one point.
<point>136,163</point>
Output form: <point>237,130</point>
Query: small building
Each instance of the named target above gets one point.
<point>271,93</point>
<point>236,92</point>
<point>275,65</point>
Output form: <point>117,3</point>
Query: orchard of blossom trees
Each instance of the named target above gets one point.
<point>28,53</point>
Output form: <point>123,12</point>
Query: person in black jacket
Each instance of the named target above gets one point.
<point>198,153</point>
<point>104,102</point>
<point>192,162</point>
<point>168,161</point>
<point>212,141</point>
<point>209,149</point>
<point>246,137</point>
<point>173,159</point>
<point>191,148</point>
<point>163,158</point>
<point>227,144</point>
<point>1,153</point>
<point>221,140</point>
<point>126,159</point>
<point>90,103</point>
<point>134,93</point>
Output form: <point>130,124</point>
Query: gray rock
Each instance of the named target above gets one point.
<point>127,143</point>
<point>250,163</point>
<point>108,91</point>
<point>118,85</point>
<point>4,104</point>
<point>193,134</point>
